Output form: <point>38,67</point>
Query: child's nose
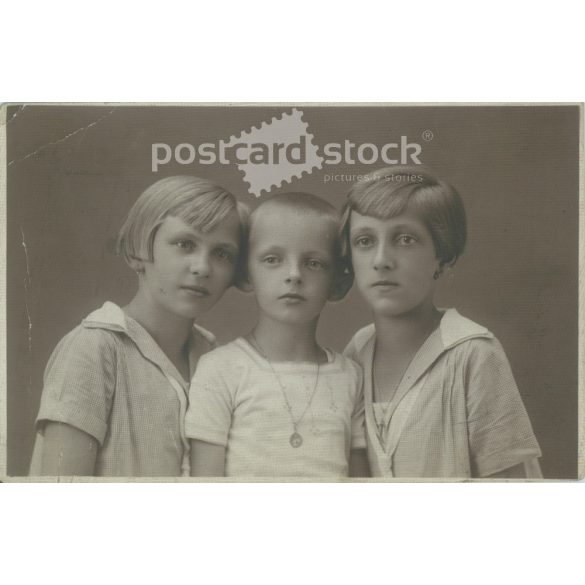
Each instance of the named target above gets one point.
<point>384,259</point>
<point>200,264</point>
<point>294,273</point>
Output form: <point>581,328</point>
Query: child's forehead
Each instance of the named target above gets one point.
<point>406,217</point>
<point>270,216</point>
<point>227,229</point>
<point>288,227</point>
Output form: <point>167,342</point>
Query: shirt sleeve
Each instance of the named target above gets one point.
<point>358,422</point>
<point>79,382</point>
<point>500,433</point>
<point>209,415</point>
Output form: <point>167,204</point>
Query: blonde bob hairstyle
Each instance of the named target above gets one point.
<point>198,202</point>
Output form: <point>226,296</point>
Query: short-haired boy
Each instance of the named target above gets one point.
<point>274,403</point>
<point>115,388</point>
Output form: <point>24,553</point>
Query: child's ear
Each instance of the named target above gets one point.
<point>137,265</point>
<point>241,279</point>
<point>242,282</point>
<point>341,285</point>
<point>442,266</point>
<point>244,285</point>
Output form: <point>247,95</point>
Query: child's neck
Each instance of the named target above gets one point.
<point>170,332</point>
<point>279,341</point>
<point>404,334</point>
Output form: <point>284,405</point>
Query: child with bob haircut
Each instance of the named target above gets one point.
<point>274,403</point>
<point>115,389</point>
<point>440,397</point>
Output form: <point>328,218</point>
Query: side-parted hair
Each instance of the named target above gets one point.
<point>198,202</point>
<point>390,191</point>
<point>309,204</point>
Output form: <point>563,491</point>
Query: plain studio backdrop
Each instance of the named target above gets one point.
<point>75,171</point>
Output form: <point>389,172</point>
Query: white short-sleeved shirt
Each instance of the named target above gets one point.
<point>457,411</point>
<point>110,379</point>
<point>235,401</point>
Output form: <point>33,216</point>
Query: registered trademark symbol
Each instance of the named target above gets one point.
<point>428,135</point>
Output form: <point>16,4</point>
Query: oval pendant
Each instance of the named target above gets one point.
<point>296,440</point>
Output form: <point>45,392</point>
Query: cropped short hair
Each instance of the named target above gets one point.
<point>390,191</point>
<point>200,203</point>
<point>307,203</point>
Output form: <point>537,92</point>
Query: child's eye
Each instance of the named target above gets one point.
<point>363,242</point>
<point>270,260</point>
<point>185,245</point>
<point>406,239</point>
<point>226,255</point>
<point>315,264</point>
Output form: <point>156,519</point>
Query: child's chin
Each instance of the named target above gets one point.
<point>388,309</point>
<point>191,311</point>
<point>299,318</point>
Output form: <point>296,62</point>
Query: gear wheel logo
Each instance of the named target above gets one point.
<point>275,152</point>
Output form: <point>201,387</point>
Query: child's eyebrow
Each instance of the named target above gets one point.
<point>317,253</point>
<point>407,226</point>
<point>230,245</point>
<point>279,248</point>
<point>400,226</point>
<point>186,234</point>
<point>361,229</point>
<point>263,248</point>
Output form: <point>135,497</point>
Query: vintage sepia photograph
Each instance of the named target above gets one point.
<point>291,292</point>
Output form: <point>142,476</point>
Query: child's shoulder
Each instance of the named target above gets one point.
<point>226,356</point>
<point>101,327</point>
<point>455,329</point>
<point>342,360</point>
<point>228,365</point>
<point>469,340</point>
<point>361,338</point>
<point>94,343</point>
<point>85,345</point>
<point>345,365</point>
<point>105,326</point>
<point>478,349</point>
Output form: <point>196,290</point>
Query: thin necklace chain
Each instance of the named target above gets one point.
<point>282,387</point>
<point>380,424</point>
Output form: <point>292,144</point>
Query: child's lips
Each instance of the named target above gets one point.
<point>292,297</point>
<point>387,284</point>
<point>199,291</point>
